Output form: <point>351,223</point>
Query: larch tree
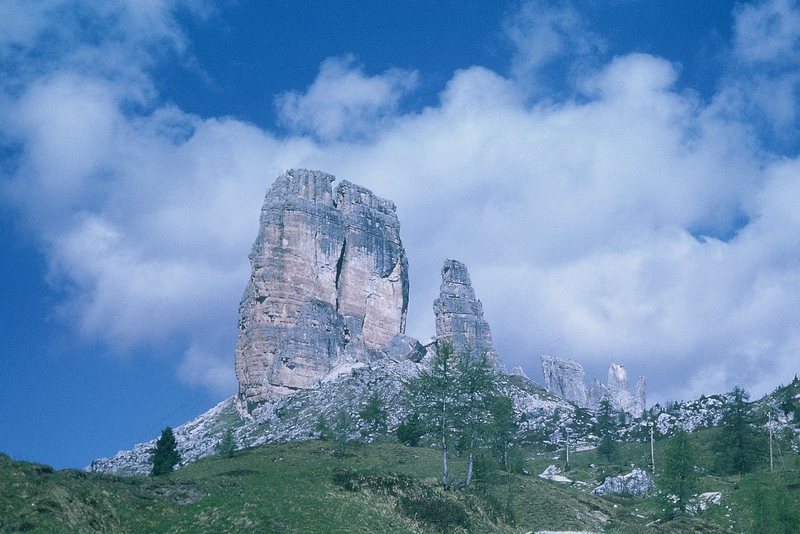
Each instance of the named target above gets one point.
<point>476,381</point>
<point>433,395</point>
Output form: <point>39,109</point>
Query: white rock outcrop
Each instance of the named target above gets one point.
<point>634,484</point>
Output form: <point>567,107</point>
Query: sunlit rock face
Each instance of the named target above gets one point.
<point>459,315</point>
<point>328,284</point>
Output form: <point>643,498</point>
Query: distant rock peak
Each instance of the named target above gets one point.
<point>566,378</point>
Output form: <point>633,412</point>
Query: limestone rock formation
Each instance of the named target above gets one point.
<point>617,392</point>
<point>459,315</point>
<point>634,484</point>
<point>567,379</point>
<point>329,284</point>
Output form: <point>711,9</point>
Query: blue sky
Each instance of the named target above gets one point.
<point>620,176</point>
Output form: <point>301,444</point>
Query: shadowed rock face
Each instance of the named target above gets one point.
<point>328,284</point>
<point>459,315</point>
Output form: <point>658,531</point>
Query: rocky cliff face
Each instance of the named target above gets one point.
<point>567,379</point>
<point>328,284</point>
<point>459,315</point>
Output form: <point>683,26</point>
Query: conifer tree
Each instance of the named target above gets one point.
<point>374,414</point>
<point>736,447</point>
<point>475,382</point>
<point>433,395</point>
<point>341,430</point>
<point>410,431</point>
<point>503,428</point>
<point>165,454</point>
<point>453,397</point>
<point>678,475</point>
<point>227,445</point>
<point>605,428</point>
<point>322,428</point>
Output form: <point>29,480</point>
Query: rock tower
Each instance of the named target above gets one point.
<point>459,315</point>
<point>328,285</point>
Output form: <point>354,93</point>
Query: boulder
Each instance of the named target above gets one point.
<point>634,484</point>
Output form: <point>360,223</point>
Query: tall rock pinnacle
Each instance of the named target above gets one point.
<point>459,315</point>
<point>328,284</point>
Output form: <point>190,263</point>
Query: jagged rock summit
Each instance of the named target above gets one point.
<point>328,285</point>
<point>459,315</point>
<point>566,378</point>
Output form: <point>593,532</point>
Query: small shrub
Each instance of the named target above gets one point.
<point>410,431</point>
<point>435,510</point>
<point>391,484</point>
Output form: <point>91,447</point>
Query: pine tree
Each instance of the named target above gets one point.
<point>605,428</point>
<point>453,397</point>
<point>322,428</point>
<point>342,426</point>
<point>678,475</point>
<point>374,414</point>
<point>503,428</point>
<point>410,431</point>
<point>227,445</point>
<point>165,455</point>
<point>736,446</point>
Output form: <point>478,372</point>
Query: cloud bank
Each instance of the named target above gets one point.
<point>629,220</point>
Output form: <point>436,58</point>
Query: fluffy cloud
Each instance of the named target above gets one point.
<point>544,32</point>
<point>765,85</point>
<point>343,102</point>
<point>767,32</point>
<point>630,222</point>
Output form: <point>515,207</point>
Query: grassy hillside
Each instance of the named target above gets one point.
<point>306,487</point>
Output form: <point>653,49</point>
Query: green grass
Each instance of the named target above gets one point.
<point>383,487</point>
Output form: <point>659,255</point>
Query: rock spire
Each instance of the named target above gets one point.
<point>459,314</point>
<point>328,285</point>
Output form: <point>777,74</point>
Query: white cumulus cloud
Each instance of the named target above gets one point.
<point>343,101</point>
